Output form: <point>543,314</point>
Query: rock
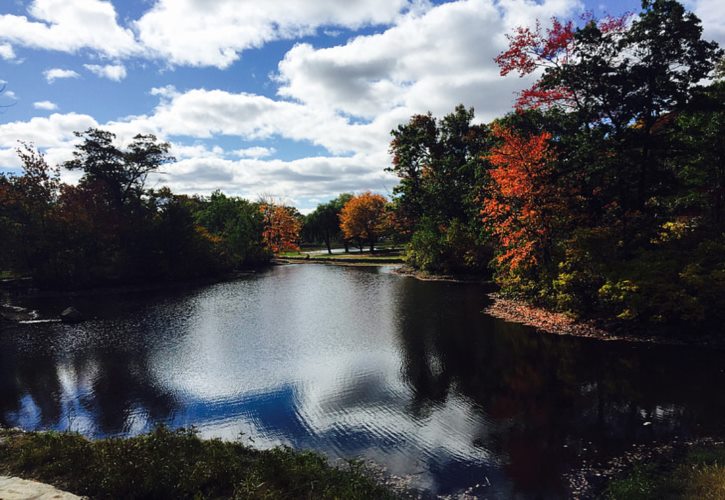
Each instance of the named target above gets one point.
<point>71,315</point>
<point>16,313</point>
<point>13,488</point>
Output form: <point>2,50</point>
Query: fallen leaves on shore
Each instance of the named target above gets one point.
<point>548,321</point>
<point>560,324</point>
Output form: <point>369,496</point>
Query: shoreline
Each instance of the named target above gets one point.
<point>592,480</point>
<point>178,463</point>
<point>554,323</point>
<point>337,262</point>
<point>28,289</point>
<point>449,278</point>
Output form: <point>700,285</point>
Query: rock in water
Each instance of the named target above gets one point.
<point>71,315</point>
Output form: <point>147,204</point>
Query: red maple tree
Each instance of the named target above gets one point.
<point>551,48</point>
<point>521,201</point>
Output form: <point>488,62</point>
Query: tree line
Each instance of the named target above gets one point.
<point>110,229</point>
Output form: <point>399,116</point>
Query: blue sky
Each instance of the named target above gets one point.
<point>288,98</point>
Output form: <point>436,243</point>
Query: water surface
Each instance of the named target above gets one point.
<point>357,362</point>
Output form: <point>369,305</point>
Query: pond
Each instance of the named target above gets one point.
<point>357,362</point>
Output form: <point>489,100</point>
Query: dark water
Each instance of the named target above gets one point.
<point>357,363</point>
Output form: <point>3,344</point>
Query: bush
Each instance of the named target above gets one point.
<point>177,464</point>
<point>447,249</point>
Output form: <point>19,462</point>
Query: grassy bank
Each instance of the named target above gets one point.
<point>375,258</point>
<point>178,464</point>
<point>695,473</point>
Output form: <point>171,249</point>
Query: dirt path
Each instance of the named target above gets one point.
<point>14,488</point>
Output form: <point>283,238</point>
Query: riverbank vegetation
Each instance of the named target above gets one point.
<point>696,473</point>
<point>109,229</point>
<point>602,194</point>
<point>178,464</point>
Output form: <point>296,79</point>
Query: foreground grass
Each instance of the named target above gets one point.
<point>699,474</point>
<point>178,464</point>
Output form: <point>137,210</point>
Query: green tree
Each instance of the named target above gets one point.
<point>323,224</point>
<point>441,169</point>
<point>238,224</point>
<point>121,173</point>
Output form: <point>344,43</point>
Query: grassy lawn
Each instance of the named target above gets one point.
<point>4,275</point>
<point>698,474</point>
<point>178,464</point>
<point>383,255</point>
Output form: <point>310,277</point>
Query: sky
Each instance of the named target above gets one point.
<point>293,99</point>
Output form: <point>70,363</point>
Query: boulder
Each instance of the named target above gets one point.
<point>15,313</point>
<point>71,315</point>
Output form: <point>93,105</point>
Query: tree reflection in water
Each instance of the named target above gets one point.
<point>49,388</point>
<point>546,399</point>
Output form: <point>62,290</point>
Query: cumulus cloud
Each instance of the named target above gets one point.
<point>70,26</point>
<point>426,62</point>
<point>6,52</point>
<point>297,180</point>
<point>115,72</point>
<point>51,75</point>
<point>53,134</point>
<point>45,105</point>
<point>197,33</point>
<point>53,131</point>
<point>203,114</point>
<point>254,152</point>
<point>713,18</point>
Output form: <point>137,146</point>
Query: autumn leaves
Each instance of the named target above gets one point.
<point>364,219</point>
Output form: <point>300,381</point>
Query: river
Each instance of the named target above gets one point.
<point>357,362</point>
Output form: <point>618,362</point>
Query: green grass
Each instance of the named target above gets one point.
<point>382,256</point>
<point>178,464</point>
<point>698,474</point>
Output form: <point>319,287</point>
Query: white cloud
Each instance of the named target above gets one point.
<point>115,72</point>
<point>54,131</point>
<point>712,15</point>
<point>318,177</point>
<point>45,105</point>
<point>69,26</point>
<point>53,134</point>
<point>6,52</point>
<point>203,114</point>
<point>54,74</point>
<point>196,33</point>
<point>254,152</point>
<point>427,62</point>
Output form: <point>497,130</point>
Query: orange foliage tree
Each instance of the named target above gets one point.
<point>520,204</point>
<point>364,218</point>
<point>281,228</point>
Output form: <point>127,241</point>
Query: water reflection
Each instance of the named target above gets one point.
<point>357,362</point>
